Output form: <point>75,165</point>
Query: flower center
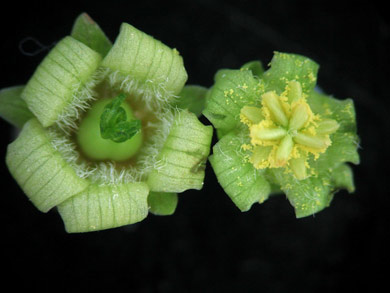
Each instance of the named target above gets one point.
<point>284,131</point>
<point>95,146</point>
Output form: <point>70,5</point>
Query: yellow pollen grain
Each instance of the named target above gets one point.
<point>311,76</point>
<point>246,147</point>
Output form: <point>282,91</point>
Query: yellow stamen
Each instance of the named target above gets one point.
<point>285,131</point>
<point>259,157</point>
<point>299,117</point>
<point>271,101</point>
<point>298,166</point>
<point>268,133</point>
<point>284,150</point>
<point>251,114</point>
<point>316,142</point>
<point>327,126</point>
<point>295,91</point>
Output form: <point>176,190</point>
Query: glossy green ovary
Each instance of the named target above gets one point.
<point>97,148</point>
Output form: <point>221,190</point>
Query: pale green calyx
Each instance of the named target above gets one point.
<point>103,127</point>
<point>277,133</point>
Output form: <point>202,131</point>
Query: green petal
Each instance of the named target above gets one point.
<point>102,207</point>
<point>67,67</point>
<point>183,156</point>
<point>342,177</point>
<point>45,177</point>
<point>162,204</point>
<point>87,31</point>
<point>192,98</point>
<point>307,196</point>
<point>286,67</point>
<point>146,61</point>
<point>233,89</point>
<point>12,108</point>
<point>240,180</point>
<point>255,66</point>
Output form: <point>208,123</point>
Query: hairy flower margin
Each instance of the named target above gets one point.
<point>82,68</point>
<point>278,133</point>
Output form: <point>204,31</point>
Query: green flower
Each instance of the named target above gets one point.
<point>278,133</point>
<point>107,132</point>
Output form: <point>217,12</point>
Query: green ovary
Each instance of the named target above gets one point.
<point>95,147</point>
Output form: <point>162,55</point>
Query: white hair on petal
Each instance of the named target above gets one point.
<point>68,150</point>
<point>153,94</point>
<point>83,94</point>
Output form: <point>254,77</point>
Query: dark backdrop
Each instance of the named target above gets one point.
<point>208,245</point>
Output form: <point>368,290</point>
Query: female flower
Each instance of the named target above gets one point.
<point>278,133</point>
<point>105,135</point>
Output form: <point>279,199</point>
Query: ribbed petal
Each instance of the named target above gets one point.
<point>345,141</point>
<point>307,196</point>
<point>56,81</point>
<point>102,207</point>
<point>288,67</point>
<point>146,61</point>
<point>240,180</point>
<point>45,177</point>
<point>233,89</point>
<point>183,156</point>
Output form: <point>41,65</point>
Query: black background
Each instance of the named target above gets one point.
<point>208,245</point>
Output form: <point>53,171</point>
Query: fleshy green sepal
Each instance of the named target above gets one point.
<point>192,98</point>
<point>255,66</point>
<point>162,204</point>
<point>12,108</point>
<point>87,31</point>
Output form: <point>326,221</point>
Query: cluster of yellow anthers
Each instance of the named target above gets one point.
<point>284,131</point>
